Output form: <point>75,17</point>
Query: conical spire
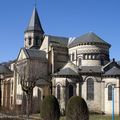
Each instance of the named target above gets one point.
<point>34,24</point>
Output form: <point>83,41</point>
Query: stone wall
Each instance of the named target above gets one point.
<point>108,103</point>
<point>95,104</point>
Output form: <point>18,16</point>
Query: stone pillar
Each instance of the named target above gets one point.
<point>63,100</point>
<point>53,90</point>
<point>102,96</point>
<point>53,62</point>
<point>74,89</point>
<point>77,89</point>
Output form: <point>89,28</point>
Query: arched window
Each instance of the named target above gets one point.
<point>39,94</point>
<point>79,62</point>
<point>29,40</point>
<point>73,56</point>
<point>89,57</point>
<point>102,61</point>
<point>70,91</point>
<point>37,41</point>
<point>58,92</point>
<point>90,89</point>
<point>11,87</point>
<point>110,92</point>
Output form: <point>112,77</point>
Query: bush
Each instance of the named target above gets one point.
<point>77,109</point>
<point>50,108</point>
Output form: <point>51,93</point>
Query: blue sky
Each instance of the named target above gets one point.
<point>69,18</point>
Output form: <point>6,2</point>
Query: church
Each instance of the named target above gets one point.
<point>61,66</point>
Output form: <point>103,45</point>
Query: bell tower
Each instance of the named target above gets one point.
<point>33,35</point>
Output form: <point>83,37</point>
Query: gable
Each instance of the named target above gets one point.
<point>112,68</point>
<point>68,69</point>
<point>21,55</point>
<point>110,65</point>
<point>115,71</point>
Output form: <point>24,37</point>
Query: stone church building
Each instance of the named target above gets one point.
<point>63,67</point>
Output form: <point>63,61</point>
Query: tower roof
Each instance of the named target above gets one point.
<point>34,24</point>
<point>4,69</point>
<point>88,38</point>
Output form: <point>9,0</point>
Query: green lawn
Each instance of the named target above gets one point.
<point>103,117</point>
<point>99,117</point>
<point>93,117</point>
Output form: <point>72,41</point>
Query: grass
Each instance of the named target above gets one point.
<point>92,117</point>
<point>103,117</point>
<point>99,117</point>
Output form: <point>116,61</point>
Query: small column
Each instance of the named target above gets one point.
<point>102,96</point>
<point>62,101</point>
<point>53,60</point>
<point>77,89</point>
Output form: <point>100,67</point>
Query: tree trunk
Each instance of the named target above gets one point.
<point>29,105</point>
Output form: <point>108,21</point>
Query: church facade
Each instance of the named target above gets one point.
<point>63,67</point>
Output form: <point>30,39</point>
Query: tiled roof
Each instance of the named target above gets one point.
<point>91,69</point>
<point>35,54</point>
<point>4,69</point>
<point>90,38</point>
<point>8,63</point>
<point>68,69</point>
<point>118,62</point>
<point>42,82</point>
<point>34,24</point>
<point>60,41</point>
<point>113,71</point>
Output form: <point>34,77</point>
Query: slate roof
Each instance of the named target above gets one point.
<point>7,64</point>
<point>90,38</point>
<point>68,69</point>
<point>115,71</point>
<point>60,41</point>
<point>42,82</point>
<point>35,54</point>
<point>4,69</point>
<point>34,24</point>
<point>118,62</point>
<point>91,69</point>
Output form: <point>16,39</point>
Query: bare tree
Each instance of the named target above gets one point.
<point>28,75</point>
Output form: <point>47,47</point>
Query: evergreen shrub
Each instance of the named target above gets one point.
<point>50,108</point>
<point>77,109</point>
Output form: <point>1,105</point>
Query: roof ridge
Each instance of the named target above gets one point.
<point>34,23</point>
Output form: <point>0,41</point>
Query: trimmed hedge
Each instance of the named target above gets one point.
<point>77,109</point>
<point>50,108</point>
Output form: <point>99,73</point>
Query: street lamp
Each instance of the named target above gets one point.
<point>113,86</point>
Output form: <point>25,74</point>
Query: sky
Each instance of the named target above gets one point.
<point>68,18</point>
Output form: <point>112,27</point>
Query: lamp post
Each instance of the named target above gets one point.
<point>113,102</point>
